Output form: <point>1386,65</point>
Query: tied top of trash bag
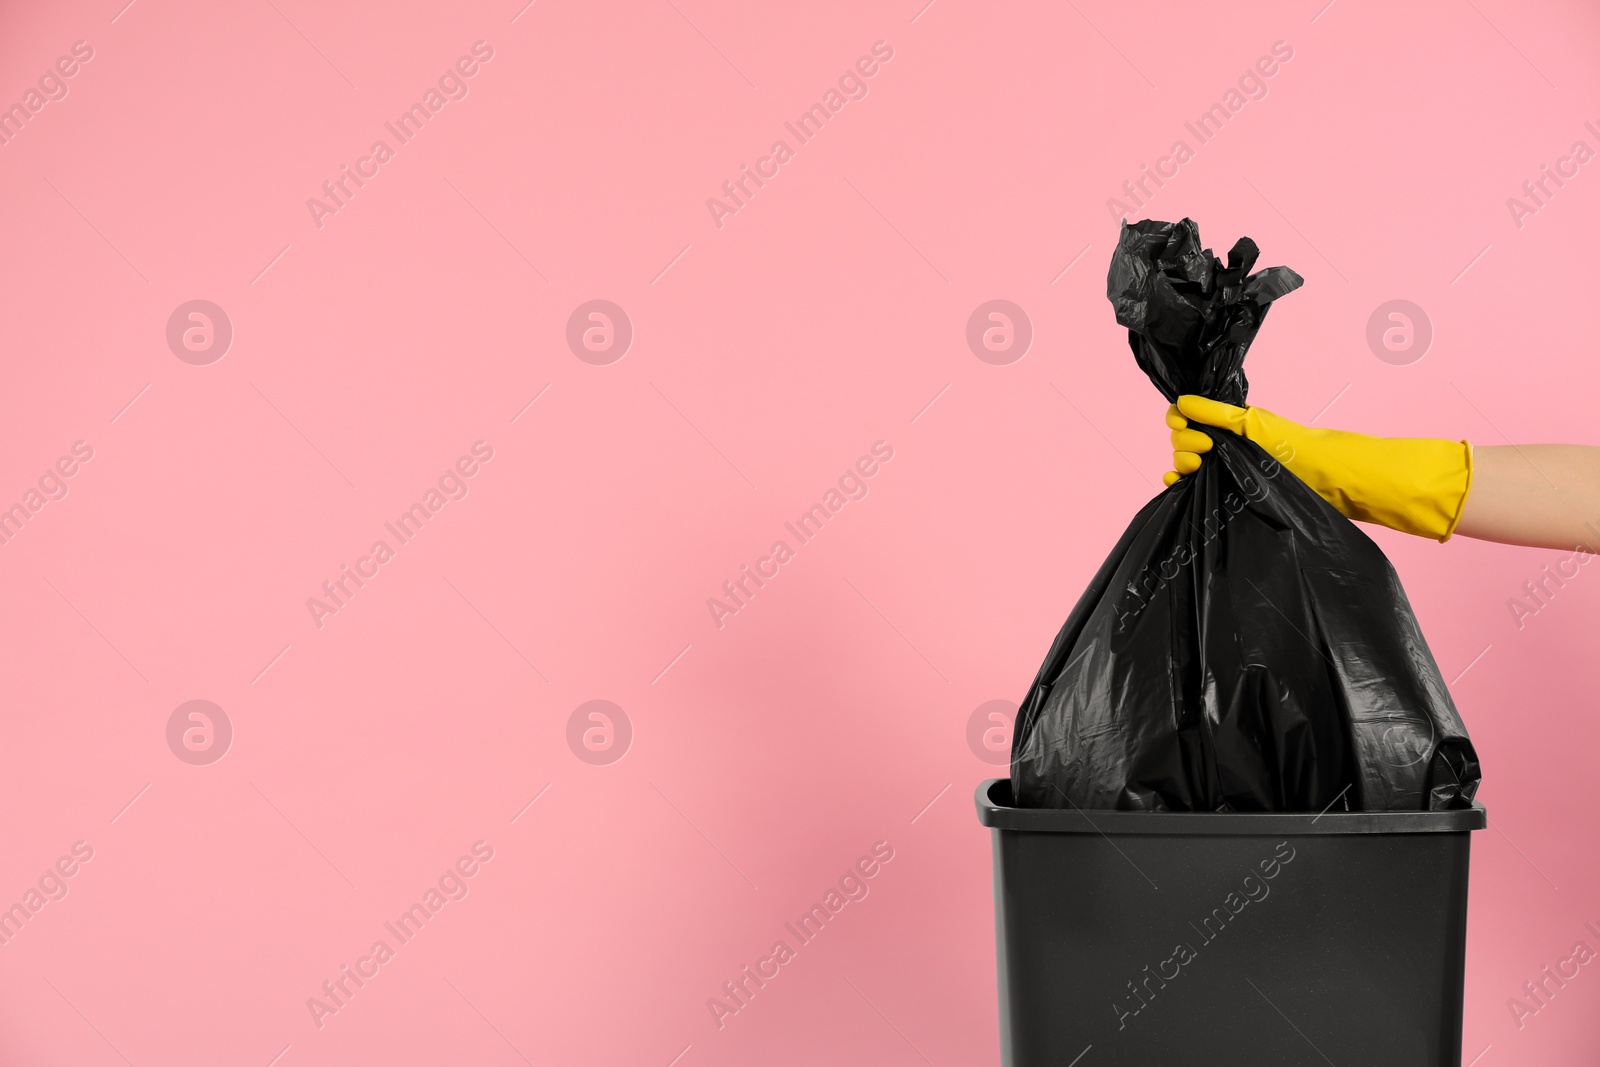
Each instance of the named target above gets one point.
<point>1190,320</point>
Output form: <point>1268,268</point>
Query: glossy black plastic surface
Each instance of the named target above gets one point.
<point>1138,938</point>
<point>1245,647</point>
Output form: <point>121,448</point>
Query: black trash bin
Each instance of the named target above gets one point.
<point>1178,938</point>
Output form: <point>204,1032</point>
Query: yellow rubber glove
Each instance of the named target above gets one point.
<point>1411,484</point>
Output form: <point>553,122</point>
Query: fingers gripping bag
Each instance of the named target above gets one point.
<point>1244,647</point>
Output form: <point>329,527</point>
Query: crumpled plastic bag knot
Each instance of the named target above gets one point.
<point>1190,319</point>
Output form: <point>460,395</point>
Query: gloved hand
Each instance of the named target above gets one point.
<point>1411,484</point>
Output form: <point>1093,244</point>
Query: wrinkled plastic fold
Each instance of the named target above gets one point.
<point>1245,647</point>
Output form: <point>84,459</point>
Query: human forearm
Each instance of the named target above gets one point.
<point>1544,496</point>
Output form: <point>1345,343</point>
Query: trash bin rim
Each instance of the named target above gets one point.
<point>994,811</point>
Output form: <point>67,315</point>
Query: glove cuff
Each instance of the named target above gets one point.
<point>1414,485</point>
<point>1466,491</point>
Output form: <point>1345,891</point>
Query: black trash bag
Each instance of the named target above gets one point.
<point>1245,647</point>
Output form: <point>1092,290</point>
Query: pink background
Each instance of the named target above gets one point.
<point>768,354</point>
